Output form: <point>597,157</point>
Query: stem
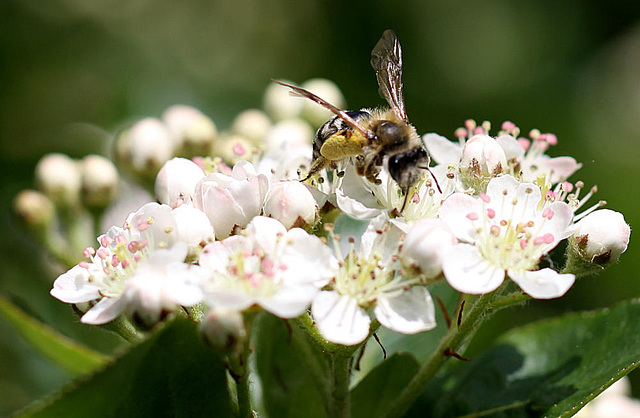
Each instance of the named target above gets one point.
<point>340,403</point>
<point>238,364</point>
<point>455,339</point>
<point>244,395</point>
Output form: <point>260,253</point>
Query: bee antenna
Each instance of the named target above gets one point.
<point>406,198</point>
<point>434,178</point>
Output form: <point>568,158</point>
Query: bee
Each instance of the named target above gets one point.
<point>374,137</point>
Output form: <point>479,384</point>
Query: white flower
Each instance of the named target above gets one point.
<point>425,245</point>
<point>291,203</point>
<point>528,160</point>
<point>138,270</point>
<point>177,179</point>
<point>99,181</point>
<point>601,237</point>
<point>279,270</point>
<point>508,229</point>
<point>230,201</point>
<point>367,280</point>
<point>361,199</point>
<point>252,124</point>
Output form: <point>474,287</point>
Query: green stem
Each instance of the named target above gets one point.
<point>238,364</point>
<point>340,405</point>
<point>454,341</point>
<point>244,396</point>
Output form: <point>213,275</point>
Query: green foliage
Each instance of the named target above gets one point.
<point>549,368</point>
<point>171,374</point>
<point>66,353</point>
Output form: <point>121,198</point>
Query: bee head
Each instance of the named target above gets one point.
<point>407,167</point>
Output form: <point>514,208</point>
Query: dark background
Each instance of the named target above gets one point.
<point>73,71</point>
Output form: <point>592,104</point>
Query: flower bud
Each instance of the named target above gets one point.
<point>234,148</point>
<point>291,203</point>
<point>252,124</point>
<point>58,177</point>
<point>317,115</point>
<point>193,132</point>
<point>176,180</point>
<point>99,181</point>
<point>289,132</point>
<point>482,159</point>
<point>231,201</point>
<point>600,238</point>
<point>34,208</point>
<point>224,330</point>
<point>145,147</point>
<point>279,104</point>
<point>194,227</point>
<point>424,247</point>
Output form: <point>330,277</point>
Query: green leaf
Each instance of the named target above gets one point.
<point>382,385</point>
<point>171,374</point>
<point>421,345</point>
<point>291,368</point>
<point>66,353</point>
<point>550,368</point>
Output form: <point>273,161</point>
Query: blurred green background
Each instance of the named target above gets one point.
<point>74,71</point>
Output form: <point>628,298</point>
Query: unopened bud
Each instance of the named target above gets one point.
<point>289,132</point>
<point>317,115</point>
<point>34,208</point>
<point>99,181</point>
<point>58,177</point>
<point>252,124</point>
<point>177,179</point>
<point>482,159</point>
<point>234,148</point>
<point>279,104</point>
<point>291,203</point>
<point>224,330</point>
<point>597,241</point>
<point>145,147</point>
<point>193,132</point>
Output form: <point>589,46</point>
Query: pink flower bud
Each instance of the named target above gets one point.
<point>601,237</point>
<point>177,180</point>
<point>291,203</point>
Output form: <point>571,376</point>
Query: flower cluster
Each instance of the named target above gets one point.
<point>236,230</point>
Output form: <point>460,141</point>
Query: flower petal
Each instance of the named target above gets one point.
<point>454,213</point>
<point>340,319</point>
<point>442,150</point>
<point>74,287</point>
<point>468,272</point>
<point>289,301</point>
<point>411,312</point>
<point>543,284</point>
<point>104,311</point>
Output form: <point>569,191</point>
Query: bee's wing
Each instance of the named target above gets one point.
<point>386,60</point>
<point>297,91</point>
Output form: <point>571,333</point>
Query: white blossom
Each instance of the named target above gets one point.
<point>368,281</point>
<point>507,230</point>
<point>425,245</point>
<point>138,270</point>
<point>278,270</point>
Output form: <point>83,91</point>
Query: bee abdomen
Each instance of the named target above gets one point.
<point>332,127</point>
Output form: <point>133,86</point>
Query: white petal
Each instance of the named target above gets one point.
<point>543,284</point>
<point>289,301</point>
<point>511,147</point>
<point>340,319</point>
<point>355,208</point>
<point>560,168</point>
<point>411,312</point>
<point>104,311</point>
<point>265,232</point>
<point>193,225</point>
<point>442,150</point>
<point>308,259</point>
<point>467,272</point>
<point>74,287</point>
<point>453,214</point>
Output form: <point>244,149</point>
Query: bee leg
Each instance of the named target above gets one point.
<point>318,164</point>
<point>360,165</point>
<point>406,199</point>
